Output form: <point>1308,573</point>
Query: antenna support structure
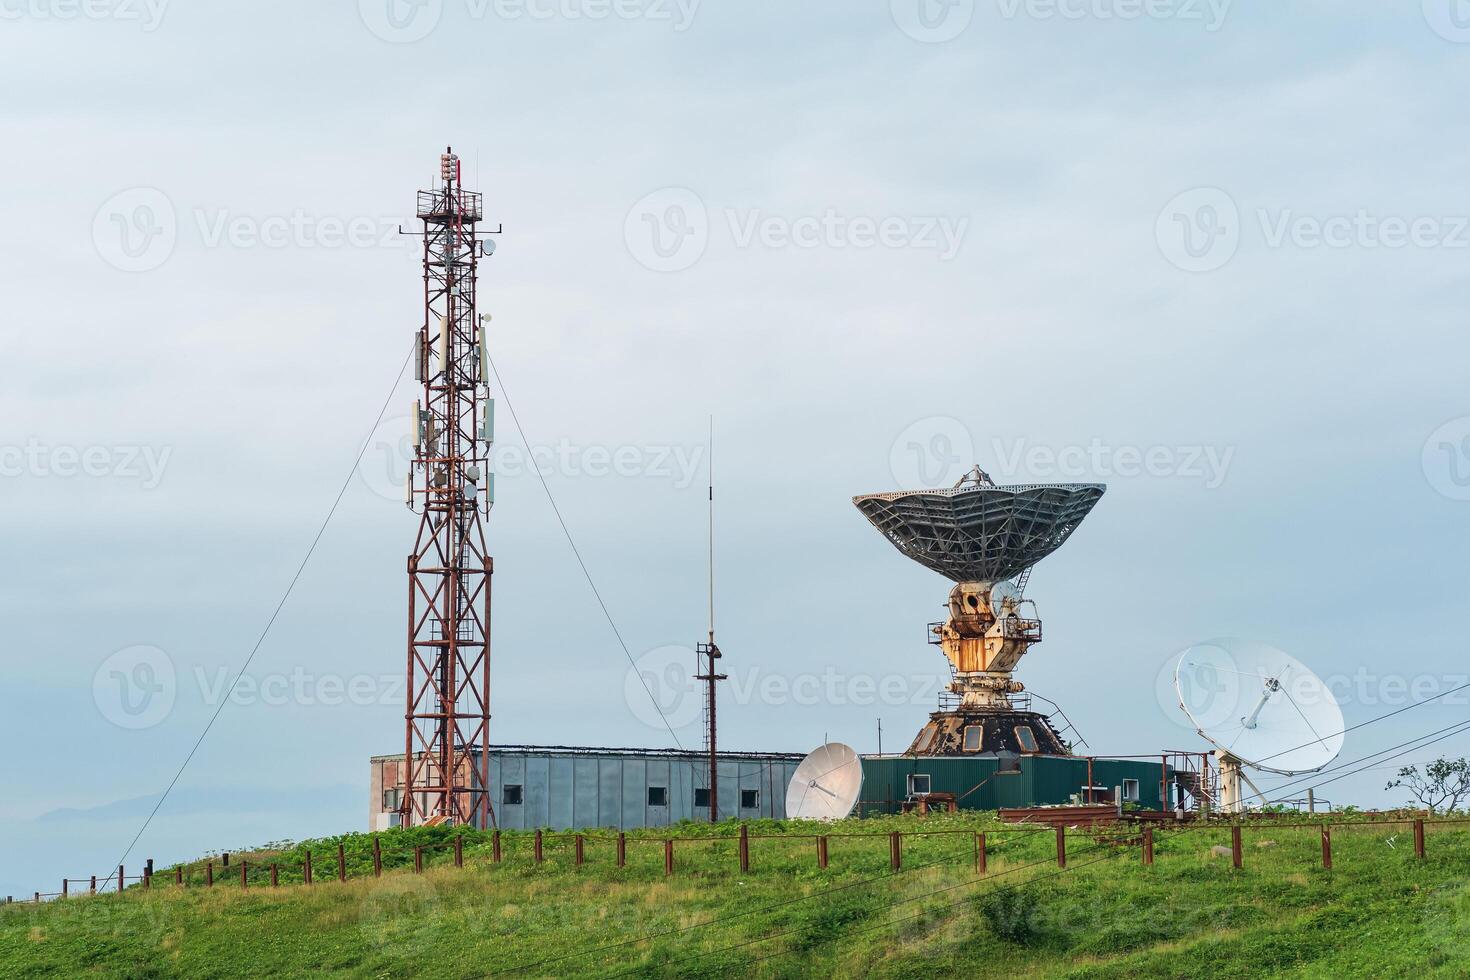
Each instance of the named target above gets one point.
<point>451,489</point>
<point>710,652</point>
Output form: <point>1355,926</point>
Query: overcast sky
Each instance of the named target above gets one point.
<point>1211,254</point>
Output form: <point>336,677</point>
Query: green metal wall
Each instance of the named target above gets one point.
<point>1042,780</point>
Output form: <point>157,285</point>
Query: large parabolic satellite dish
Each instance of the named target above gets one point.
<point>1259,705</point>
<point>976,531</point>
<point>826,784</point>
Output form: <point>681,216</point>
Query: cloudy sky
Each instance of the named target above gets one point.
<point>1212,254</point>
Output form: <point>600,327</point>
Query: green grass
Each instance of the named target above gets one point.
<point>1378,913</point>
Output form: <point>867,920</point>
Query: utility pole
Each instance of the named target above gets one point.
<point>710,651</point>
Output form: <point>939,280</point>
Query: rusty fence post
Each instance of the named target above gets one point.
<point>980,858</point>
<point>341,863</point>
<point>93,890</point>
<point>244,881</point>
<point>459,850</point>
<point>275,881</point>
<point>1419,838</point>
<point>209,874</point>
<point>179,875</point>
<point>148,873</point>
<point>744,849</point>
<point>1236,857</point>
<point>581,854</point>
<point>1327,846</point>
<point>1061,847</point>
<point>495,847</point>
<point>1148,845</point>
<point>622,849</point>
<point>306,868</point>
<point>895,850</point>
<point>418,860</point>
<point>63,887</point>
<point>822,851</point>
<point>377,858</point>
<point>668,855</point>
<point>540,852</point>
<point>120,879</point>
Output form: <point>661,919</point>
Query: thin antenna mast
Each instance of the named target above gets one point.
<point>709,650</point>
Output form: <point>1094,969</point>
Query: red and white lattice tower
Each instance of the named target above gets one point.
<point>450,486</point>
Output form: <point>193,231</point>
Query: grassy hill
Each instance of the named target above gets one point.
<point>1379,912</point>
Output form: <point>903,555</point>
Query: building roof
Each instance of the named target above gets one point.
<point>600,752</point>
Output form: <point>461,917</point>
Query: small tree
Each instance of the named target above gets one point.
<point>1442,784</point>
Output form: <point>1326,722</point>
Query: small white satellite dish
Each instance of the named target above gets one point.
<point>1000,593</point>
<point>1261,708</point>
<point>826,785</point>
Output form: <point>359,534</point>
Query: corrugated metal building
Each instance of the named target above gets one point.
<point>565,788</point>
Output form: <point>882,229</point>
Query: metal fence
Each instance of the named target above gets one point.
<point>536,848</point>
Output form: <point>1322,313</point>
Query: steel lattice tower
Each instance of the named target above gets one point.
<point>447,736</point>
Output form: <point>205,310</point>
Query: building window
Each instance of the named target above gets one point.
<point>701,798</point>
<point>918,784</point>
<point>1026,737</point>
<point>750,799</point>
<point>1130,791</point>
<point>511,794</point>
<point>391,798</point>
<point>972,738</point>
<point>658,796</point>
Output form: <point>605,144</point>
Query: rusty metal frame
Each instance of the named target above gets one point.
<point>447,716</point>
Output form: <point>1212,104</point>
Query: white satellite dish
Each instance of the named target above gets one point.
<point>1260,708</point>
<point>1002,592</point>
<point>826,785</point>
